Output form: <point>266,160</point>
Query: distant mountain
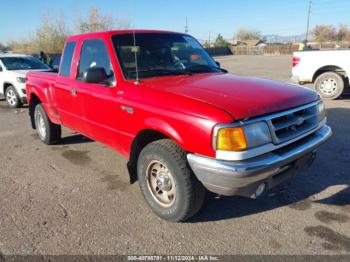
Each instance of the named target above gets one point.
<point>284,39</point>
<point>281,39</point>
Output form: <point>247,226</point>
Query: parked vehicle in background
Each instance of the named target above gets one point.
<point>13,68</point>
<point>184,123</point>
<point>328,70</point>
<point>56,58</point>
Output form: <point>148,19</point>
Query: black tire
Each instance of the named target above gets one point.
<point>52,133</point>
<point>335,86</point>
<point>190,193</point>
<point>12,97</point>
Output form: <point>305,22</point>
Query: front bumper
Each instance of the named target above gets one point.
<point>244,177</point>
<point>21,91</point>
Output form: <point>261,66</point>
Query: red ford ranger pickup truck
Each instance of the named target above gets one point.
<point>185,124</point>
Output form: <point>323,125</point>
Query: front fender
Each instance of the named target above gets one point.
<point>165,128</point>
<point>2,90</point>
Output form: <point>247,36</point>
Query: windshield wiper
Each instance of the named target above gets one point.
<point>208,68</point>
<point>221,69</point>
<point>168,72</point>
<point>146,73</point>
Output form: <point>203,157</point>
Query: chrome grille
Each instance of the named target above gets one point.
<point>293,123</point>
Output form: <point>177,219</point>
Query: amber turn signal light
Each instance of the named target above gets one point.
<point>231,139</point>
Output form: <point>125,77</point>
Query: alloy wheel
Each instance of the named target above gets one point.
<point>11,97</point>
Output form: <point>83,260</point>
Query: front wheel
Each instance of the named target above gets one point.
<point>48,132</point>
<point>167,182</point>
<point>329,85</point>
<point>12,98</point>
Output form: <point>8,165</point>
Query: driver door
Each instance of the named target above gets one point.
<point>100,103</point>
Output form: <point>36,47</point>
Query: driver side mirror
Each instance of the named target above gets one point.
<point>96,75</point>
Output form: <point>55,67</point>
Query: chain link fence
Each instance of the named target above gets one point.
<point>283,49</point>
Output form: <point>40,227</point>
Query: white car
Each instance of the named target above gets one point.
<point>13,69</point>
<point>328,70</point>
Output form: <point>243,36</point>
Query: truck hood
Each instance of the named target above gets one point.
<point>242,97</point>
<point>24,72</point>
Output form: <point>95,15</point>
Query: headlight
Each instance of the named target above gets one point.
<point>321,111</point>
<point>241,138</point>
<point>21,79</point>
<point>257,134</point>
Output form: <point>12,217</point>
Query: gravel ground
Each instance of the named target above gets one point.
<point>74,198</point>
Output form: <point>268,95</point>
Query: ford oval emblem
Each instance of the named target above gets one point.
<point>300,121</point>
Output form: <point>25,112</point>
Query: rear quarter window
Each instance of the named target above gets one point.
<point>66,62</point>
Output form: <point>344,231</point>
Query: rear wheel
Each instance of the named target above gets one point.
<point>12,98</point>
<point>167,183</point>
<point>329,85</point>
<point>48,132</point>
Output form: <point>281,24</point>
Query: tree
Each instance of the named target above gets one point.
<point>343,34</point>
<point>2,48</point>
<point>53,31</point>
<point>324,33</point>
<point>22,46</point>
<point>220,41</point>
<point>243,34</point>
<point>206,44</point>
<point>95,21</point>
<point>49,37</point>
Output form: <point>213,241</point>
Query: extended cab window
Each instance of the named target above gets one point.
<point>67,59</point>
<point>94,54</point>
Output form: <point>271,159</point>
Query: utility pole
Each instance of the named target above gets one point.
<point>186,26</point>
<point>209,38</point>
<point>308,20</point>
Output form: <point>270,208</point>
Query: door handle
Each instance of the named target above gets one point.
<point>128,109</point>
<point>74,92</point>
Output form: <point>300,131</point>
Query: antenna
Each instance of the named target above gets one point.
<point>186,26</point>
<point>134,49</point>
<point>135,53</point>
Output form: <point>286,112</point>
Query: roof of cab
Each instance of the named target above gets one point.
<point>116,32</point>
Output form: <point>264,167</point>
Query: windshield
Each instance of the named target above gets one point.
<point>161,54</point>
<point>23,63</point>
